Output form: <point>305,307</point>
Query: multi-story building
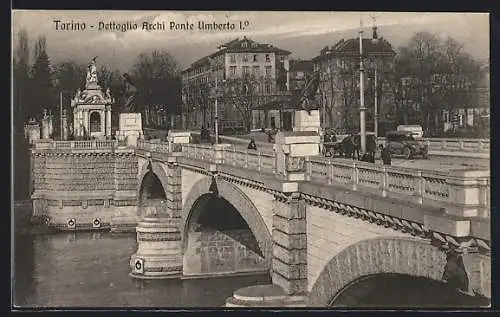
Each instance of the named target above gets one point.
<point>339,95</point>
<point>300,72</point>
<point>245,77</point>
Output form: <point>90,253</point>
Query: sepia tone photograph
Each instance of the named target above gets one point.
<point>250,159</point>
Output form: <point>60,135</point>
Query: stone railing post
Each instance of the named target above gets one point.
<point>219,150</point>
<point>355,176</point>
<point>419,193</point>
<point>384,181</point>
<point>175,140</point>
<point>329,171</point>
<point>465,191</point>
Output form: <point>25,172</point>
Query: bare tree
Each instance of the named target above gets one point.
<point>242,93</point>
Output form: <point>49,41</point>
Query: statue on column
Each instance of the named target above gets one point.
<point>92,71</point>
<point>130,95</point>
<point>307,95</point>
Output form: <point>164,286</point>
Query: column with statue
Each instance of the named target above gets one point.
<point>130,121</point>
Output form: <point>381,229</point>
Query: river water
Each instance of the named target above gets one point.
<point>91,270</point>
<point>82,270</point>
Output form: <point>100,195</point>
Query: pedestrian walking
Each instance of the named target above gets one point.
<point>385,154</point>
<point>252,145</point>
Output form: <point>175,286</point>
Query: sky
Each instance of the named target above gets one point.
<point>303,33</point>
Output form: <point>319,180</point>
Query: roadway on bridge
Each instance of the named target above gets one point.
<point>434,162</point>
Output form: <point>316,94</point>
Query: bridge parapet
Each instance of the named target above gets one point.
<point>76,146</point>
<point>460,192</point>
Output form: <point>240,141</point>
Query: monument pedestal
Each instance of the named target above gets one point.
<point>129,128</point>
<point>305,121</point>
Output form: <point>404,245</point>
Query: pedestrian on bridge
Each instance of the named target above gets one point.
<point>385,154</point>
<point>252,145</point>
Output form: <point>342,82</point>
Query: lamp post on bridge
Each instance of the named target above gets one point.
<point>362,109</point>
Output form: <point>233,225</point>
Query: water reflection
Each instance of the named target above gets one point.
<point>91,270</point>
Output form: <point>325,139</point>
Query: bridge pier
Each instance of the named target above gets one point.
<point>289,229</point>
<point>159,251</point>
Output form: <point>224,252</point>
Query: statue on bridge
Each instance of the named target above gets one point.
<point>92,72</point>
<point>307,98</point>
<point>129,95</point>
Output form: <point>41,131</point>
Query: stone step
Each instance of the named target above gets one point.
<point>264,296</point>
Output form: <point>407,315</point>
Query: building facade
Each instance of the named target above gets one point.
<point>243,76</point>
<point>338,92</point>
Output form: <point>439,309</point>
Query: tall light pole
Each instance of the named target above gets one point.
<point>376,102</point>
<point>362,108</point>
<point>61,113</point>
<point>216,108</point>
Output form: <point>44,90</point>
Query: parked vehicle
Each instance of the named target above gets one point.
<point>416,130</point>
<point>404,143</point>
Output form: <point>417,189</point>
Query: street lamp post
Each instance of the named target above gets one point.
<point>376,102</point>
<point>362,108</point>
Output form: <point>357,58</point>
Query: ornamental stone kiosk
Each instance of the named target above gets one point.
<point>289,261</point>
<point>159,252</point>
<point>92,112</point>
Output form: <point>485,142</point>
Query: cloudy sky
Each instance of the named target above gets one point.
<point>303,33</point>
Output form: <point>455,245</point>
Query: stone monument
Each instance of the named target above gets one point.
<point>92,108</point>
<point>32,131</point>
<point>130,122</point>
<point>46,125</point>
<point>308,118</point>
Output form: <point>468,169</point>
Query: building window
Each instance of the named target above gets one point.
<point>254,45</point>
<point>232,71</point>
<point>445,117</point>
<point>300,74</point>
<point>268,88</point>
<point>268,70</point>
<point>246,70</point>
<point>268,58</point>
<point>232,59</point>
<point>245,58</point>
<point>255,58</point>
<point>244,44</point>
<point>256,71</point>
<point>282,58</point>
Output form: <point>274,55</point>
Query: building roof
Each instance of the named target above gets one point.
<point>371,46</point>
<point>301,66</point>
<point>239,46</point>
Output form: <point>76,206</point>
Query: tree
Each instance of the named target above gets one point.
<point>156,75</point>
<point>41,86</point>
<point>21,79</point>
<point>242,93</point>
<point>442,76</point>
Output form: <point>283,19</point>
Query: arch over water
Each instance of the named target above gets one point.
<point>395,255</point>
<point>155,169</point>
<point>152,186</point>
<point>200,195</point>
<point>403,291</point>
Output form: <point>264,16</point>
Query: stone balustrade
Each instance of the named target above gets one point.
<point>102,145</point>
<point>463,192</point>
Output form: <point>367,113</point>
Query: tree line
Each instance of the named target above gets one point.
<point>428,75</point>
<point>38,84</point>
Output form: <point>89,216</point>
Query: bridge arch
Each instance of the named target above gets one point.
<point>402,256</point>
<point>151,187</point>
<point>199,196</point>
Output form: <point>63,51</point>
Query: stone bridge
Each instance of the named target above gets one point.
<point>316,226</point>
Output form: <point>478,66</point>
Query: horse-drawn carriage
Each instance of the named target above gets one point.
<point>348,146</point>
